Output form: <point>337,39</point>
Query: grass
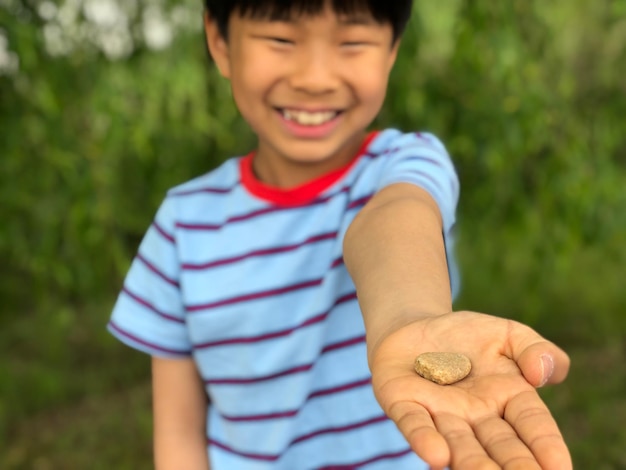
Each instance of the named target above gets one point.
<point>72,397</point>
<point>590,406</point>
<point>69,392</point>
<point>112,430</point>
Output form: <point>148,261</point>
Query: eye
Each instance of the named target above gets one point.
<point>355,44</point>
<point>280,40</point>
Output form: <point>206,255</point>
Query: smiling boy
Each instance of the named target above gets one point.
<point>244,290</point>
<point>309,87</point>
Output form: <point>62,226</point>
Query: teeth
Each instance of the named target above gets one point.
<point>309,119</point>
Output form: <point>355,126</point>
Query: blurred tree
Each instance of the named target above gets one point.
<point>96,125</point>
<point>105,104</point>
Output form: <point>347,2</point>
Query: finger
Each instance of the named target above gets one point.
<point>533,423</point>
<point>504,445</point>
<point>540,361</point>
<point>467,452</point>
<point>416,424</point>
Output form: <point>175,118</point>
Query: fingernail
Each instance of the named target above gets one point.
<point>547,369</point>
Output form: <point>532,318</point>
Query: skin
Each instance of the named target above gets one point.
<point>492,419</point>
<point>320,63</point>
<point>179,406</point>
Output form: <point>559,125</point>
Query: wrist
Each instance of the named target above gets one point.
<point>384,330</point>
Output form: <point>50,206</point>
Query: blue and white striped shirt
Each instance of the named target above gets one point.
<point>249,280</point>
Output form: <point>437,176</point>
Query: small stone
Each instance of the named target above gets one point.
<point>443,368</point>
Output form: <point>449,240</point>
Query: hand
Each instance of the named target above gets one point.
<point>492,419</point>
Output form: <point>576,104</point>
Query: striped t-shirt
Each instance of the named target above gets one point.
<point>249,281</point>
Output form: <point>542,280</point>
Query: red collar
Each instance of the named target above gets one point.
<point>300,194</point>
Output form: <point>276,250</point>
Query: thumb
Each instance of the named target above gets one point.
<point>541,361</point>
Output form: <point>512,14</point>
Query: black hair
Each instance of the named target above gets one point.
<point>394,12</point>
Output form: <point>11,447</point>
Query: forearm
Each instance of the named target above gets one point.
<point>176,451</point>
<point>180,409</point>
<point>395,254</point>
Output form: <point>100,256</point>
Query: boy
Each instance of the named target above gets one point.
<point>244,289</point>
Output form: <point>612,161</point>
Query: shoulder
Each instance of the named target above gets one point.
<point>418,158</point>
<point>191,199</point>
<point>393,153</point>
<point>219,180</point>
<point>393,140</point>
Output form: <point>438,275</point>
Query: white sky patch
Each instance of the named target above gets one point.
<point>186,18</point>
<point>57,43</point>
<point>104,13</point>
<point>114,27</point>
<point>47,10</point>
<point>116,45</point>
<point>61,32</point>
<point>157,32</point>
<point>109,26</point>
<point>9,62</point>
<point>68,14</point>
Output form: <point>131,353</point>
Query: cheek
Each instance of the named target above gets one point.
<point>373,89</point>
<point>249,88</point>
<point>370,79</point>
<point>256,83</point>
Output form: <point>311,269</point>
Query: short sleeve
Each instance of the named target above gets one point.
<point>149,312</point>
<point>421,159</point>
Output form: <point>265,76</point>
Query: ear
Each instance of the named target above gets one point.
<point>393,54</point>
<point>218,45</point>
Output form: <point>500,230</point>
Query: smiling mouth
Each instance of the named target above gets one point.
<point>308,118</point>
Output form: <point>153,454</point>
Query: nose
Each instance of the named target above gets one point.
<point>315,72</point>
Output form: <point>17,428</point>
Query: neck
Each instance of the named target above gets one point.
<point>284,173</point>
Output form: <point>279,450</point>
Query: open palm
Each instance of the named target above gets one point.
<point>494,418</point>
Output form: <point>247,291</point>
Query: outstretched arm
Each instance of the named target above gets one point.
<point>180,406</point>
<point>395,254</point>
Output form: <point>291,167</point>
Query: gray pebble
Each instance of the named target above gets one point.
<point>443,368</point>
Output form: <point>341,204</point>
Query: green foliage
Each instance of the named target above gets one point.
<point>529,97</point>
<point>91,148</point>
<point>531,112</point>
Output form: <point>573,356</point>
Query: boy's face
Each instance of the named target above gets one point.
<point>308,87</point>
